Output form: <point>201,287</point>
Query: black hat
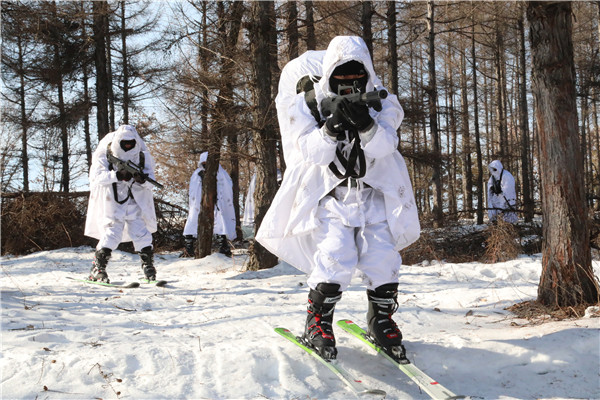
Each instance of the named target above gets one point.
<point>342,86</point>
<point>350,68</point>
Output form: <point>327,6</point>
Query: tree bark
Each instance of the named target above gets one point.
<point>524,128</point>
<point>229,27</point>
<point>392,46</point>
<point>467,173</point>
<point>480,189</point>
<point>311,40</point>
<point>367,26</point>
<point>567,278</point>
<point>99,29</point>
<point>24,119</point>
<point>264,131</point>
<point>438,212</point>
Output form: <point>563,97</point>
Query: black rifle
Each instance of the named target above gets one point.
<point>370,99</point>
<point>134,169</point>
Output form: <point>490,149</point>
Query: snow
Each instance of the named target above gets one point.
<point>209,333</point>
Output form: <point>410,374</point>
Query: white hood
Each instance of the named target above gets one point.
<point>342,49</point>
<point>126,132</point>
<point>495,168</point>
<point>203,158</point>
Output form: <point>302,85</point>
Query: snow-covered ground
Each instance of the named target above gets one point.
<point>209,333</point>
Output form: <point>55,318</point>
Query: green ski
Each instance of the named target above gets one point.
<point>429,385</point>
<point>353,383</point>
<point>115,285</point>
<point>156,283</point>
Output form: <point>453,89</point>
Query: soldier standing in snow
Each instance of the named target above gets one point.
<point>224,226</point>
<point>346,203</point>
<point>501,195</point>
<point>121,205</point>
<point>248,219</point>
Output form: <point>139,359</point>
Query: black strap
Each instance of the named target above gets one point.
<point>306,84</point>
<point>349,164</point>
<point>142,162</point>
<point>497,183</point>
<point>313,106</point>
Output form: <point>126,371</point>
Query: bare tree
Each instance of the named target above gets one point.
<point>99,27</point>
<point>524,127</point>
<point>432,92</point>
<point>567,277</point>
<point>260,28</point>
<point>15,50</point>
<point>229,27</point>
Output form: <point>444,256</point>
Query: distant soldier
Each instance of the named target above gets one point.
<point>224,226</point>
<point>502,197</point>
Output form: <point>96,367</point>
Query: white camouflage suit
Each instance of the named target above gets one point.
<point>501,204</point>
<point>107,220</point>
<point>357,228</point>
<point>224,210</point>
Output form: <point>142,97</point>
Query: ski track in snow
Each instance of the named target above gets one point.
<point>209,333</point>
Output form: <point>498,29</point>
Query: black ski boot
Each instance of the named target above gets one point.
<point>98,271</point>
<point>318,332</point>
<point>147,256</point>
<point>189,249</point>
<point>224,245</point>
<point>383,302</point>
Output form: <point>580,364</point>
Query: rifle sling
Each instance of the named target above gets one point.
<point>142,162</point>
<point>349,164</point>
<point>357,152</point>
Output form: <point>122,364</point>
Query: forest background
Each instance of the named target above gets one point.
<point>202,76</point>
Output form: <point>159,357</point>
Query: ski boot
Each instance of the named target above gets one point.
<point>147,256</point>
<point>318,332</point>
<point>383,331</point>
<point>189,246</point>
<point>98,271</point>
<point>224,245</point>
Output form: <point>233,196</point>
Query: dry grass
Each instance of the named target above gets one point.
<point>502,243</point>
<point>536,313</point>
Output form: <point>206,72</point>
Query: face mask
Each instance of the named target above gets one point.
<point>127,145</point>
<point>350,77</point>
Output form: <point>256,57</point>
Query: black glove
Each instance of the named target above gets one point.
<point>337,122</point>
<point>124,175</point>
<point>139,178</point>
<point>357,115</point>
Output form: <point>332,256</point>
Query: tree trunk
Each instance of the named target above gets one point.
<point>86,93</point>
<point>438,212</point>
<point>500,115</point>
<point>62,114</point>
<point>99,29</point>
<point>367,25</point>
<point>311,40</point>
<point>109,71</point>
<point>480,189</point>
<point>467,173</point>
<point>125,66</point>
<point>451,132</point>
<point>392,46</point>
<point>567,278</point>
<point>524,128</point>
<point>221,125</point>
<point>24,119</point>
<point>264,131</point>
<point>292,30</point>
